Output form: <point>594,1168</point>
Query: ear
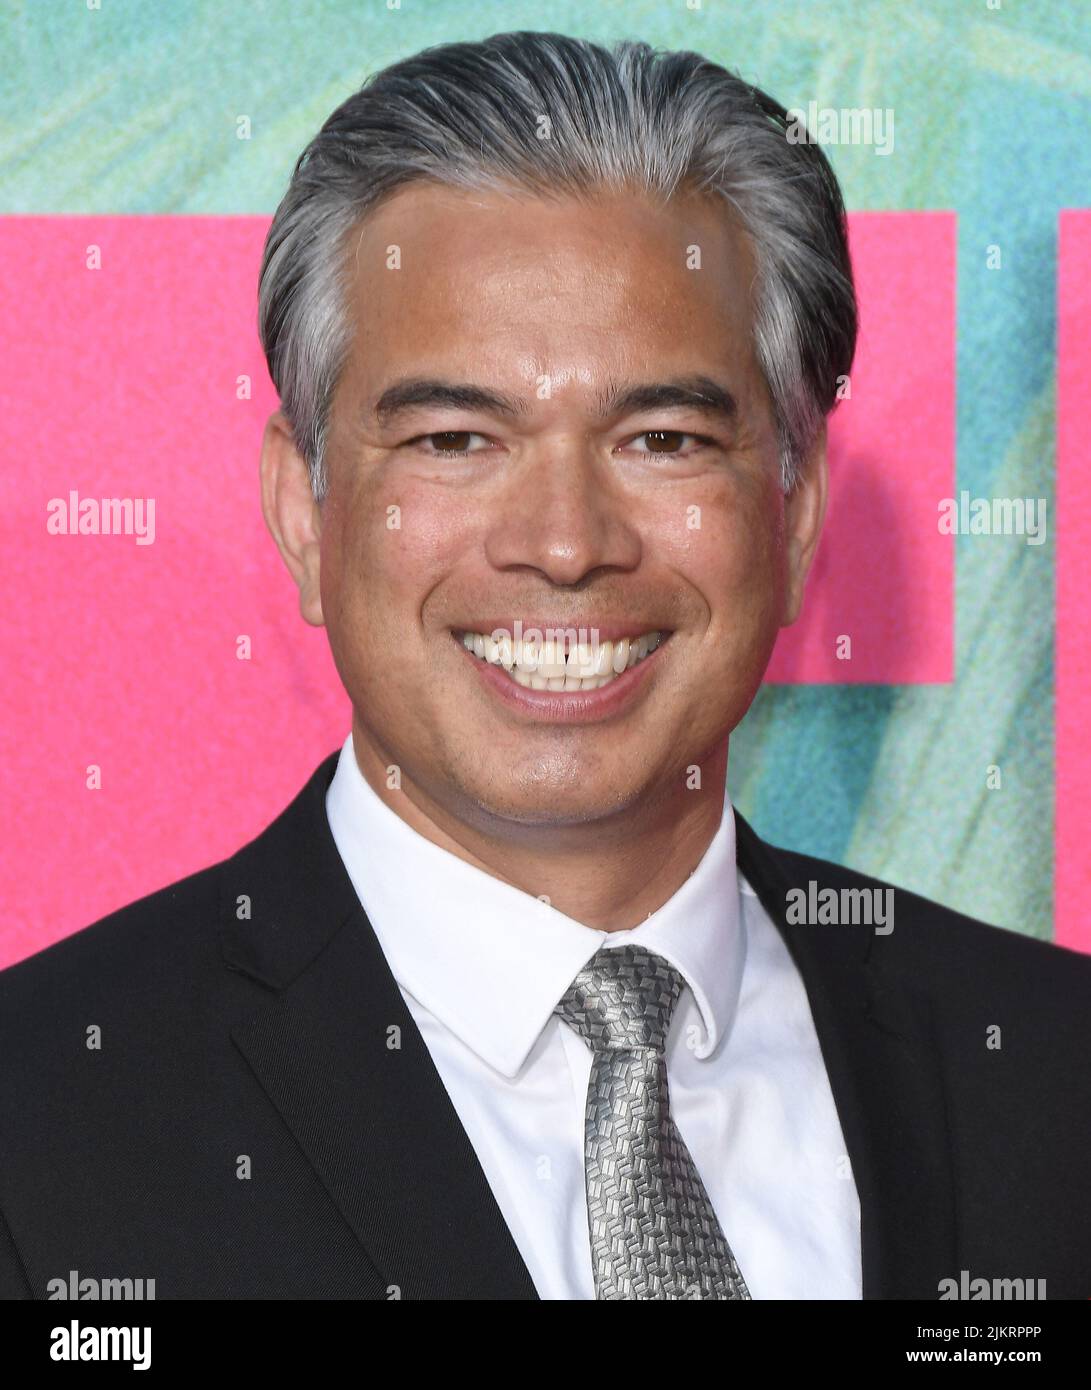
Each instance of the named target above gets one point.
<point>804,513</point>
<point>292,515</point>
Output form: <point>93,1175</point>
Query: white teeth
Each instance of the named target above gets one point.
<point>547,665</point>
<point>552,662</point>
<point>581,661</point>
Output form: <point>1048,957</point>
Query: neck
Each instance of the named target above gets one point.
<point>610,875</point>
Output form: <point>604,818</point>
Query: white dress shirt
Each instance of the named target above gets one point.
<point>481,966</point>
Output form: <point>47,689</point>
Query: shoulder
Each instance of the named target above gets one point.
<point>951,950</point>
<point>151,967</point>
<point>140,953</point>
<point>156,947</point>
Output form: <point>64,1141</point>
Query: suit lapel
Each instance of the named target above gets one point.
<point>337,1052</point>
<point>882,1059</point>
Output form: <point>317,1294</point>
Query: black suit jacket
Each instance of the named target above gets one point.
<point>230,1040</point>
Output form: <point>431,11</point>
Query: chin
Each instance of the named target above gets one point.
<point>553,804</point>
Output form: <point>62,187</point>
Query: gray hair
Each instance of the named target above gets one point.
<point>472,116</point>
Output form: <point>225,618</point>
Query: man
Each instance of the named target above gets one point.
<point>511,1002</point>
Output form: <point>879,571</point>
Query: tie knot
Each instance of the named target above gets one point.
<point>622,998</point>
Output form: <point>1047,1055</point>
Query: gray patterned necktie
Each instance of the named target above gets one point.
<point>653,1231</point>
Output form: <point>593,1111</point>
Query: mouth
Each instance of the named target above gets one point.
<point>562,665</point>
<point>550,678</point>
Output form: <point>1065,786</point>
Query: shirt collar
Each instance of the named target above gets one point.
<point>490,961</point>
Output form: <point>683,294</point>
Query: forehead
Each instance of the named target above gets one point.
<point>549,284</point>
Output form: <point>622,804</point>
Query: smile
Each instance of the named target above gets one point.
<point>560,666</point>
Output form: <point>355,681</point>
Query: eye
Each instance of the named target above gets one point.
<point>667,442</point>
<point>456,443</point>
<point>450,443</point>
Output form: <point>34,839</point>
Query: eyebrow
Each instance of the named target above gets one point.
<point>698,392</point>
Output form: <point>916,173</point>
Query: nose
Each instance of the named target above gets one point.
<point>564,515</point>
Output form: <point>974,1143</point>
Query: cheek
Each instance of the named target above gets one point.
<point>358,552</point>
<point>726,544</point>
<point>390,547</point>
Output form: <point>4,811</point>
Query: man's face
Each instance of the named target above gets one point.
<point>567,512</point>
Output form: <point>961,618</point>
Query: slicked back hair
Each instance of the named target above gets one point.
<point>552,116</point>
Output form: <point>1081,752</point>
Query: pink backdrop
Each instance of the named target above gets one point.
<point>1073,532</point>
<point>124,382</point>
